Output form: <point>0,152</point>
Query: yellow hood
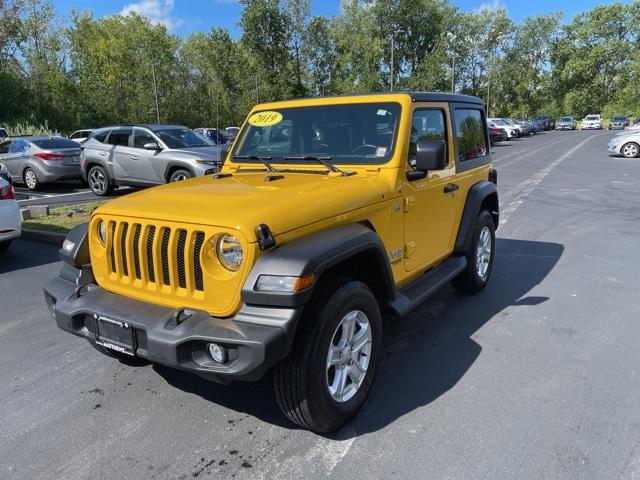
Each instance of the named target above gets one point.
<point>245,200</point>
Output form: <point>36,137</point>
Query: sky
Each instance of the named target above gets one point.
<point>185,16</point>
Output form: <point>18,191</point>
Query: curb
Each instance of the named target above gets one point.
<point>43,236</point>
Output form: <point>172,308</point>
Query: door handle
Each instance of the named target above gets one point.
<point>452,187</point>
<point>134,157</point>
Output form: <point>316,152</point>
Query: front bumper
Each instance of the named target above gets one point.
<point>591,127</point>
<point>256,338</point>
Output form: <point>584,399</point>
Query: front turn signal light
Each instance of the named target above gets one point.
<point>279,283</point>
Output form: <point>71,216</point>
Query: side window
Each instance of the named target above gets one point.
<point>119,137</point>
<point>101,136</point>
<point>427,124</point>
<point>470,134</point>
<point>141,138</point>
<point>4,147</point>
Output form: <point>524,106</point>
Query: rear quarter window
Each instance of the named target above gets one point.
<point>51,143</point>
<point>471,137</point>
<point>3,133</point>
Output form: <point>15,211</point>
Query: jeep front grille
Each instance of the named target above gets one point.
<point>160,256</point>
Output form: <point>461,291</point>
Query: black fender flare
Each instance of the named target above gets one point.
<point>316,253</point>
<point>477,195</point>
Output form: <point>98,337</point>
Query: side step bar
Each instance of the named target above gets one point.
<point>416,292</point>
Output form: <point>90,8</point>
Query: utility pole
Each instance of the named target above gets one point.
<point>257,91</point>
<point>453,72</point>
<point>393,47</point>
<point>155,90</point>
<point>488,91</point>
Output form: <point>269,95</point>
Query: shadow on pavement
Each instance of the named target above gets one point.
<point>26,254</point>
<point>425,354</point>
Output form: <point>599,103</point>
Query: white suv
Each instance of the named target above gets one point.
<point>591,122</point>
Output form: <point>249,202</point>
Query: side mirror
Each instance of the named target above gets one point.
<point>430,155</point>
<point>152,146</point>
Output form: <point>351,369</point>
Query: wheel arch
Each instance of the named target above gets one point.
<point>481,196</point>
<point>173,166</point>
<point>354,251</point>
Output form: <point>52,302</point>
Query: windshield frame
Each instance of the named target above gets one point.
<point>279,160</point>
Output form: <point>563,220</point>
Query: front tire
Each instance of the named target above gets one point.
<point>31,179</point>
<point>630,150</point>
<point>327,376</point>
<point>4,246</point>
<point>480,257</point>
<point>179,175</point>
<point>99,181</point>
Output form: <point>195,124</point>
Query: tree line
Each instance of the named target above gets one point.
<point>81,71</point>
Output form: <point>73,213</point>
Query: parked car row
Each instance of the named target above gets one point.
<point>501,129</point>
<point>109,157</point>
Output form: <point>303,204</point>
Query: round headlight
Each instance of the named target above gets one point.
<point>102,231</point>
<point>229,252</point>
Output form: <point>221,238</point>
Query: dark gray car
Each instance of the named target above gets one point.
<point>143,155</point>
<point>37,160</point>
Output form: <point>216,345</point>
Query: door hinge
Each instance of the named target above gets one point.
<point>409,249</point>
<point>409,202</point>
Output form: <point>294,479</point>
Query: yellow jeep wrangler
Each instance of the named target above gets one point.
<point>327,213</point>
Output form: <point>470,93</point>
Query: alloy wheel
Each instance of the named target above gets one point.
<point>630,150</point>
<point>97,180</point>
<point>30,179</point>
<point>179,177</point>
<point>483,253</point>
<point>349,356</point>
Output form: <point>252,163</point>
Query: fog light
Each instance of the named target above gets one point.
<point>217,353</point>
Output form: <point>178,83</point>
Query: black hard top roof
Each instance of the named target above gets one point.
<point>415,96</point>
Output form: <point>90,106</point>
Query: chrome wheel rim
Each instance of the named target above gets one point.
<point>179,177</point>
<point>483,253</point>
<point>30,179</point>
<point>630,150</point>
<point>97,180</point>
<point>349,356</point>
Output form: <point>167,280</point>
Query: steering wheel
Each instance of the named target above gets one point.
<point>362,147</point>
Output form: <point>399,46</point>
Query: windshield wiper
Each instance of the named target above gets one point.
<point>322,160</point>
<point>264,160</point>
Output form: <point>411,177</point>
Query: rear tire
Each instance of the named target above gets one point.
<point>31,179</point>
<point>99,181</point>
<point>4,246</point>
<point>327,376</point>
<point>480,257</point>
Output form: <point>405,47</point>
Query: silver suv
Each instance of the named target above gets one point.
<point>143,155</point>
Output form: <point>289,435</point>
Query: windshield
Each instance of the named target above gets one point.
<point>182,138</point>
<point>619,119</point>
<point>592,117</point>
<point>352,134</point>
<point>566,119</point>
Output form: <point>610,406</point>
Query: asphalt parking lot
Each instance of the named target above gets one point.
<point>537,377</point>
<point>60,194</point>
